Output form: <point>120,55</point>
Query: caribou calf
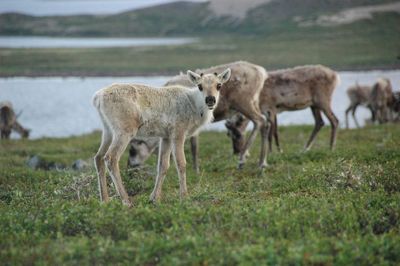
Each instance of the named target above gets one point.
<point>170,113</point>
<point>8,122</point>
<point>359,95</point>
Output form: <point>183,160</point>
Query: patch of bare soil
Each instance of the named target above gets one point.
<point>350,15</point>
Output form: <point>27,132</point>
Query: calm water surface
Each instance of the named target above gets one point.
<point>63,42</point>
<point>60,107</point>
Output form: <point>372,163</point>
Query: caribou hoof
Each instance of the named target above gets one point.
<point>127,203</point>
<point>183,194</point>
<point>240,166</point>
<point>104,199</point>
<point>263,165</point>
<point>154,198</point>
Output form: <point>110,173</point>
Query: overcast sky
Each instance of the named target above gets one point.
<point>65,7</point>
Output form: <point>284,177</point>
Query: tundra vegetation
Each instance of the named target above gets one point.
<point>320,207</point>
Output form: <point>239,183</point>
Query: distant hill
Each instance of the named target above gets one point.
<point>189,19</point>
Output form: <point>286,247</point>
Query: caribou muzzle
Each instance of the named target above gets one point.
<point>210,101</point>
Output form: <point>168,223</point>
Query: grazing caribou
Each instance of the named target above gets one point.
<point>236,126</point>
<point>8,122</point>
<point>291,90</point>
<point>141,149</point>
<point>171,113</point>
<point>382,100</point>
<point>239,94</point>
<point>359,95</point>
<point>396,105</point>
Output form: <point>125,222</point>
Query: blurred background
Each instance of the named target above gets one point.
<point>55,54</point>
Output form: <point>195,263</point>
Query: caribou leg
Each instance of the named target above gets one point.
<point>100,165</point>
<point>347,115</point>
<point>334,124</point>
<point>164,153</point>
<point>180,163</point>
<point>354,116</point>
<point>194,147</point>
<point>319,123</point>
<point>276,135</point>
<point>259,121</point>
<point>112,157</point>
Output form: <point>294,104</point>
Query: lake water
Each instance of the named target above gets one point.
<point>62,42</point>
<point>60,107</point>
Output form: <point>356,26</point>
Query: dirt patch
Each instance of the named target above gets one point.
<point>350,15</point>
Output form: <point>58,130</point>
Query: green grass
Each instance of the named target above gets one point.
<point>321,207</point>
<point>362,45</point>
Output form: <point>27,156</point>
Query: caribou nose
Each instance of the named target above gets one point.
<point>210,100</point>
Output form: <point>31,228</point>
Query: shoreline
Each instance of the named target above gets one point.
<point>168,73</point>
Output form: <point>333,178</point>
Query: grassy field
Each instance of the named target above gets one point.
<point>362,45</point>
<point>318,208</point>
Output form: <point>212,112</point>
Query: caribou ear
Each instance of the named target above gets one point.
<point>224,76</point>
<point>193,77</point>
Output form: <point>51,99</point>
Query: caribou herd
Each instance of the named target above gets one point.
<point>380,99</point>
<point>147,119</point>
<point>150,118</point>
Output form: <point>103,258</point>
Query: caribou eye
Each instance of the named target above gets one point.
<point>219,86</point>
<point>200,87</point>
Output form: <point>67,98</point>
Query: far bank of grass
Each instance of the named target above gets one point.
<point>360,46</point>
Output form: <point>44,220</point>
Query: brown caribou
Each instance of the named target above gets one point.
<point>396,106</point>
<point>291,90</point>
<point>382,100</point>
<point>8,121</point>
<point>359,95</point>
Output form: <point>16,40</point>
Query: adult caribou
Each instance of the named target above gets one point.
<point>382,100</point>
<point>291,90</point>
<point>240,94</point>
